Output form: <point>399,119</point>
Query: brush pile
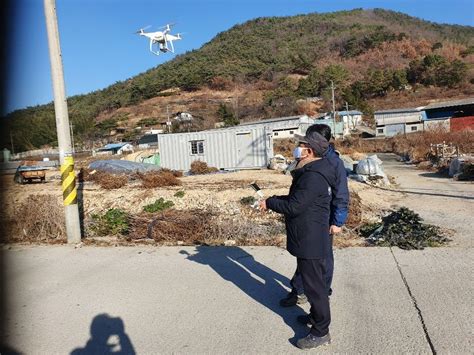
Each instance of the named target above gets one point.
<point>200,167</point>
<point>354,218</point>
<point>159,178</point>
<point>39,219</point>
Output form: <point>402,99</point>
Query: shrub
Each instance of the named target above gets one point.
<point>158,206</point>
<point>179,194</point>
<point>199,167</point>
<point>247,200</point>
<point>113,222</point>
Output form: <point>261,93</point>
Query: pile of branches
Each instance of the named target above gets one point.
<point>38,219</point>
<point>403,228</point>
<point>354,217</point>
<point>106,180</point>
<point>190,227</point>
<point>159,178</point>
<point>200,167</point>
<point>199,227</point>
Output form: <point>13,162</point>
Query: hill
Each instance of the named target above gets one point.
<point>268,67</point>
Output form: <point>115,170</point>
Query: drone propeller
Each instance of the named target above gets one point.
<point>168,25</point>
<point>142,29</point>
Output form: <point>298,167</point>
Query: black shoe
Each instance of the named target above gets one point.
<point>293,299</point>
<point>311,341</point>
<point>304,319</point>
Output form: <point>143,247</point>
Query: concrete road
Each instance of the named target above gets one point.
<point>225,300</point>
<point>438,200</point>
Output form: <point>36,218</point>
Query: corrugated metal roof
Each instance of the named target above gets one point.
<point>270,120</point>
<point>114,146</point>
<point>462,102</point>
<point>350,112</point>
<point>399,110</point>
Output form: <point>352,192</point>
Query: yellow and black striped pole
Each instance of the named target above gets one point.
<point>68,181</point>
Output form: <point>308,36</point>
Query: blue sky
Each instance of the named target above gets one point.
<point>99,48</point>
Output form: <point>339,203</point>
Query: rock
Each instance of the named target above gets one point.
<point>229,243</point>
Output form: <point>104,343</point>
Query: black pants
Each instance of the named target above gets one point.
<point>312,273</point>
<point>297,283</point>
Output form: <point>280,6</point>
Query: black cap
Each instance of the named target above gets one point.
<point>316,141</point>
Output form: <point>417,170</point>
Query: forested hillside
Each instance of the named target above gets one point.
<point>376,59</point>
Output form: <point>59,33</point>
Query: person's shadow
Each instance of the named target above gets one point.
<point>107,337</point>
<point>237,266</point>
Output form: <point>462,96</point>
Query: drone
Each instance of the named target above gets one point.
<point>160,41</point>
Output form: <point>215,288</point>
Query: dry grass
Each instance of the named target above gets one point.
<point>200,167</point>
<point>191,227</point>
<point>40,219</point>
<point>161,178</point>
<point>414,146</point>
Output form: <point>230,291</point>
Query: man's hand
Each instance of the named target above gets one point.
<point>335,229</point>
<point>262,205</point>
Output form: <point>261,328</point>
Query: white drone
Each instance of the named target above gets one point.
<point>160,41</point>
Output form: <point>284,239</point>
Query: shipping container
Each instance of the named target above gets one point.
<point>239,147</point>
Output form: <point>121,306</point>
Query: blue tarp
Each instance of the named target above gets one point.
<point>122,166</point>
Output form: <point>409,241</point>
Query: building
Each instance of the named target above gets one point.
<point>117,148</point>
<point>283,127</point>
<point>398,121</point>
<point>337,128</point>
<point>239,147</point>
<point>351,120</point>
<point>452,115</point>
<point>154,131</point>
<point>345,122</point>
<point>148,141</point>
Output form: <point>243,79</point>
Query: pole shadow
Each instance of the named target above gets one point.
<point>107,337</point>
<point>237,266</point>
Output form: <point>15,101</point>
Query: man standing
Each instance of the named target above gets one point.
<point>339,210</point>
<point>306,209</point>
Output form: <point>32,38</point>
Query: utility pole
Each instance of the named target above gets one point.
<point>168,123</point>
<point>72,137</point>
<point>333,108</point>
<point>349,124</point>
<point>68,178</point>
<point>237,108</point>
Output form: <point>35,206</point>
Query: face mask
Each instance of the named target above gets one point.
<point>297,152</point>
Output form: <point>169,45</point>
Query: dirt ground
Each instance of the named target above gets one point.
<point>222,192</point>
